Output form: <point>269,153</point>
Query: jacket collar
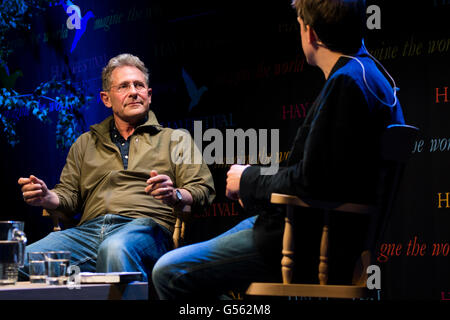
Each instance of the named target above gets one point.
<point>342,61</point>
<point>103,128</point>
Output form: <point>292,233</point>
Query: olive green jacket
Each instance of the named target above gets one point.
<point>94,182</point>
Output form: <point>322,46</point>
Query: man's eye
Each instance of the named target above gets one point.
<point>139,86</point>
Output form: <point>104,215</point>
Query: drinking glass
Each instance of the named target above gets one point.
<point>57,263</point>
<point>36,264</point>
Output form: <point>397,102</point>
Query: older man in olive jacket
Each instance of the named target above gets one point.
<point>123,179</point>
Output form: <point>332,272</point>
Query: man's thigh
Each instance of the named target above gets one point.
<point>142,237</point>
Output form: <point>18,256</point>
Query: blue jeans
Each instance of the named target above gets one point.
<point>109,243</point>
<point>211,268</point>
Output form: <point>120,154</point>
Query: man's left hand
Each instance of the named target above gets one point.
<point>233,181</point>
<point>160,186</point>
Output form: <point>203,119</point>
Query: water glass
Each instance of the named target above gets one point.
<point>36,263</point>
<point>57,264</point>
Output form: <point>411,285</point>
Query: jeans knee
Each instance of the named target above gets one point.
<point>111,249</point>
<point>158,272</point>
<point>164,271</point>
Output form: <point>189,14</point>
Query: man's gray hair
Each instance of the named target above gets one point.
<point>124,59</point>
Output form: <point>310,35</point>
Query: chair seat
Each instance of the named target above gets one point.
<point>306,290</point>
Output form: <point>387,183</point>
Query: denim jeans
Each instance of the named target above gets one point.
<point>109,243</point>
<point>211,268</point>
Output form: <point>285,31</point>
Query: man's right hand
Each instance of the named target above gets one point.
<point>36,193</point>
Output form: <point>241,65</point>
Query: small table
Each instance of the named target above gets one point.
<point>105,291</point>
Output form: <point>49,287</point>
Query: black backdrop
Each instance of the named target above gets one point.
<point>248,55</point>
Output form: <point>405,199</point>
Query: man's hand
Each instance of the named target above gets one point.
<point>36,193</point>
<point>233,181</point>
<point>161,187</point>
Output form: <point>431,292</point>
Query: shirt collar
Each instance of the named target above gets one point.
<point>115,132</point>
<point>103,129</point>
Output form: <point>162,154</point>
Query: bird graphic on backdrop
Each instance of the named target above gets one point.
<point>194,93</point>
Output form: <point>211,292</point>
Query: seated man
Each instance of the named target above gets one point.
<point>122,178</point>
<point>335,156</point>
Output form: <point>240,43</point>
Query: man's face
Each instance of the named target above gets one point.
<point>129,97</point>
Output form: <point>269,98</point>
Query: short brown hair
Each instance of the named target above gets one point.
<point>340,24</point>
<point>124,59</point>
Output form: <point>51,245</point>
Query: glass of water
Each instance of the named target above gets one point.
<point>36,263</point>
<point>57,264</point>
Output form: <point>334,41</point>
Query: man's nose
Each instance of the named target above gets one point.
<point>132,91</point>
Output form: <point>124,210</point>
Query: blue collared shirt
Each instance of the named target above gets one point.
<point>121,143</point>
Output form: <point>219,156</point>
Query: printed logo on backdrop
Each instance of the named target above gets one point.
<point>194,93</point>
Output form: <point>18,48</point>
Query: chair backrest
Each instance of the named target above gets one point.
<point>397,144</point>
<point>398,141</point>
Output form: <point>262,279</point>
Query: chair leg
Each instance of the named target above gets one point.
<point>287,262</point>
<point>323,264</point>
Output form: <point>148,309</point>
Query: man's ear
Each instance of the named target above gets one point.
<point>105,98</point>
<point>149,95</point>
<point>310,34</point>
<point>315,40</point>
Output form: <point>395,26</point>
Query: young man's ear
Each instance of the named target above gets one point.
<point>307,32</point>
<point>105,98</point>
<point>315,40</point>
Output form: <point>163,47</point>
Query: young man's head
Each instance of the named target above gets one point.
<point>125,83</point>
<point>338,25</point>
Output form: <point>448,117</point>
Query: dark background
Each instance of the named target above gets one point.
<point>249,56</point>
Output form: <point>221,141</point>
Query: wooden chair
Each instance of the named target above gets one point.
<point>178,233</point>
<point>396,147</point>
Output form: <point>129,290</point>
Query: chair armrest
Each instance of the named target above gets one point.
<point>182,215</point>
<point>45,213</point>
<point>55,219</point>
<point>279,198</point>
